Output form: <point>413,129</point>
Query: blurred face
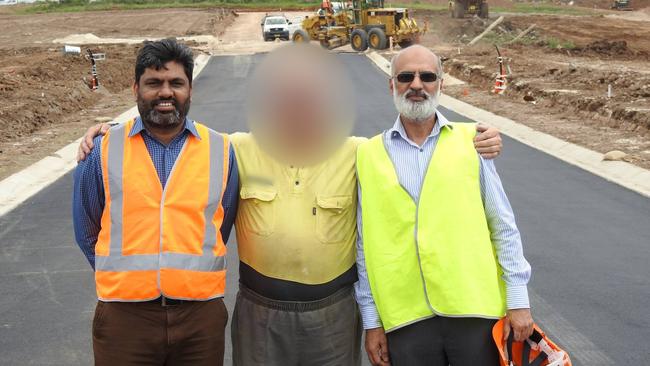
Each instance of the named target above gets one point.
<point>298,113</point>
<point>300,105</point>
<point>163,96</point>
<point>415,85</point>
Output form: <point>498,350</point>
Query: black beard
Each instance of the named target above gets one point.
<point>151,117</point>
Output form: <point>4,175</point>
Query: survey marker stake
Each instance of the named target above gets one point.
<point>501,81</point>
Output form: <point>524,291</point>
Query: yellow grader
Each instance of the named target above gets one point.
<point>366,24</point>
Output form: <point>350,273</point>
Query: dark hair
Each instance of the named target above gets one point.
<point>157,53</point>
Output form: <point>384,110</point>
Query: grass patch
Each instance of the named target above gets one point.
<point>80,5</point>
<point>417,5</point>
<point>542,8</point>
<point>522,8</point>
<point>85,5</point>
<point>560,44</point>
<point>496,38</point>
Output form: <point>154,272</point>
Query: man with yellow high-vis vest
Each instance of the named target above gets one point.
<point>153,207</point>
<point>439,257</point>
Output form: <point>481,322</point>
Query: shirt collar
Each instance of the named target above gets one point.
<point>398,127</point>
<point>138,127</point>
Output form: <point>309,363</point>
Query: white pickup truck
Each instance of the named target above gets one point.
<point>275,26</point>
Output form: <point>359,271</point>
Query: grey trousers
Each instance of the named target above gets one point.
<point>266,332</point>
<point>443,341</point>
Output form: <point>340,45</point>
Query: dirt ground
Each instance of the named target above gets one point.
<point>46,99</point>
<point>244,35</point>
<point>31,29</point>
<point>558,74</point>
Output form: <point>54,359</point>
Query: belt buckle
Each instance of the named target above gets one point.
<point>164,303</point>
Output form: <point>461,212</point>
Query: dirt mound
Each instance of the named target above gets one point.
<point>578,90</point>
<point>39,87</point>
<point>609,48</point>
<point>606,4</point>
<point>560,73</point>
<point>46,103</point>
<point>583,31</point>
<point>27,30</point>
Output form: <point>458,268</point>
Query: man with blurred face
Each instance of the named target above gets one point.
<point>439,256</point>
<point>153,208</point>
<point>295,227</point>
<point>296,222</point>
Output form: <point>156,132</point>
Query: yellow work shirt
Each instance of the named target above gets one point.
<point>296,223</point>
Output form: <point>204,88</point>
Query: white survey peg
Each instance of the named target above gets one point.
<point>71,50</point>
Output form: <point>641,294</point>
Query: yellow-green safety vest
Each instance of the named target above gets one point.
<point>434,256</point>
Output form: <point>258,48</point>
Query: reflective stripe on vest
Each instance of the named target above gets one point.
<point>113,267</point>
<point>434,256</point>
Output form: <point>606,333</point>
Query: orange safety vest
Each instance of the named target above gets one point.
<point>156,241</point>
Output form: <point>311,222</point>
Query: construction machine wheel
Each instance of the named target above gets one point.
<point>325,44</point>
<point>459,9</point>
<point>405,43</point>
<point>377,39</point>
<point>359,40</point>
<point>483,11</point>
<point>300,36</point>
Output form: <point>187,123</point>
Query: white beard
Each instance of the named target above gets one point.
<point>416,111</point>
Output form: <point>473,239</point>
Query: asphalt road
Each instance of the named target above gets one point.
<point>588,241</point>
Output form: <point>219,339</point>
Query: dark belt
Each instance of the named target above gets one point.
<point>166,301</point>
<point>282,290</point>
<point>295,306</point>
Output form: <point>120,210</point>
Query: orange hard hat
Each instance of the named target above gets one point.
<point>537,350</point>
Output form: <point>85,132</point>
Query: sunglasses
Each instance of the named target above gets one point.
<point>409,76</point>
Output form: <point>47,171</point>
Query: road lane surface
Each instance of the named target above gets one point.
<point>587,239</point>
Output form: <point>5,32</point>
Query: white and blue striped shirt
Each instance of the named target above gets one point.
<point>411,162</point>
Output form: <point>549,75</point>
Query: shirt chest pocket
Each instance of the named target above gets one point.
<point>335,218</point>
<point>257,210</point>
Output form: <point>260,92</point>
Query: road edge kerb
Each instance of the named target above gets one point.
<point>622,173</point>
<point>20,186</point>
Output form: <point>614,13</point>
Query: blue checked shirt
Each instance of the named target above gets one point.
<point>88,195</point>
<point>411,162</point>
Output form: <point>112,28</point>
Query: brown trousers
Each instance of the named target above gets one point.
<point>132,333</point>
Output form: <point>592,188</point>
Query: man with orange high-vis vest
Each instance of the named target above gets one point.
<point>153,208</point>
